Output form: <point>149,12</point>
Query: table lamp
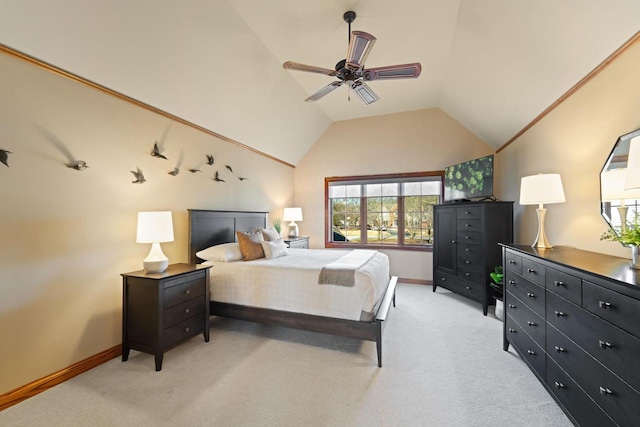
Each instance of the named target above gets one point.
<point>293,215</point>
<point>155,228</point>
<point>538,190</point>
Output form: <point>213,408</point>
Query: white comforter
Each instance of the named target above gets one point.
<point>290,283</point>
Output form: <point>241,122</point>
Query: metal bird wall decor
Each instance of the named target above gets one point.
<point>217,178</point>
<point>194,170</point>
<point>176,170</point>
<point>139,176</point>
<point>210,159</point>
<point>72,162</point>
<point>4,157</point>
<point>231,170</point>
<point>156,152</point>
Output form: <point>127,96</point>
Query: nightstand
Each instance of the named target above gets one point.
<point>162,310</point>
<point>301,242</point>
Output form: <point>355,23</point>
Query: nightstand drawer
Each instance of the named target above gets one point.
<point>184,330</point>
<point>184,291</point>
<point>298,243</point>
<point>183,311</point>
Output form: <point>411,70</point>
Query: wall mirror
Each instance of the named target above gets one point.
<point>618,206</point>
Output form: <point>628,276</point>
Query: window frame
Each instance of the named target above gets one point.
<point>398,177</point>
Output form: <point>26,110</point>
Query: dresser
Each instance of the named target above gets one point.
<point>465,246</point>
<point>162,310</point>
<point>574,317</point>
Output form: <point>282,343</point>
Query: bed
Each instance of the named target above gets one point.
<point>208,228</point>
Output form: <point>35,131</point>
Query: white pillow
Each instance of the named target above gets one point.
<point>270,234</point>
<point>274,249</point>
<point>226,252</point>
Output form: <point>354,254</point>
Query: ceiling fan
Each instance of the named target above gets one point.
<point>351,71</point>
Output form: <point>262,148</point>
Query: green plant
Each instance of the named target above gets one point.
<point>629,236</point>
<point>276,224</point>
<point>496,282</point>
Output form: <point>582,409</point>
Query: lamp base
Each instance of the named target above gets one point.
<point>156,261</point>
<point>541,241</point>
<point>293,230</point>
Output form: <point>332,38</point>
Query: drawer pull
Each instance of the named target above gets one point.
<point>531,270</point>
<point>443,278</point>
<point>512,306</point>
<point>605,391</point>
<point>604,304</point>
<point>559,283</point>
<point>531,324</point>
<point>558,385</point>
<point>530,295</point>
<point>467,262</point>
<point>512,282</point>
<point>467,250</point>
<point>531,352</point>
<point>186,330</point>
<point>467,213</point>
<point>559,314</point>
<point>453,241</point>
<point>187,291</point>
<point>187,310</point>
<point>604,345</point>
<point>560,349</point>
<point>511,261</point>
<point>467,225</point>
<point>467,288</point>
<point>512,331</point>
<point>467,237</point>
<point>467,274</point>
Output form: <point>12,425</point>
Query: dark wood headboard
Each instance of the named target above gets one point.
<point>208,228</point>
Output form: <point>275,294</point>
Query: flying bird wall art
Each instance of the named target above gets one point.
<point>139,176</point>
<point>230,169</point>
<point>176,170</point>
<point>4,157</point>
<point>210,159</point>
<point>158,146</point>
<point>156,152</point>
<point>217,178</point>
<point>72,162</point>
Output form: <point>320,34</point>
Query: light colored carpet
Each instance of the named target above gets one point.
<point>443,365</point>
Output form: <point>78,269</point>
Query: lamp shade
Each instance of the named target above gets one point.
<point>541,188</point>
<point>633,165</point>
<point>292,214</point>
<point>154,227</point>
<point>613,183</point>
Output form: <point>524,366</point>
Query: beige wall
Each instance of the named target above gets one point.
<point>65,235</point>
<point>422,140</point>
<point>574,140</point>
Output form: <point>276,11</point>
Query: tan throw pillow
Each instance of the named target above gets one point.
<point>250,245</point>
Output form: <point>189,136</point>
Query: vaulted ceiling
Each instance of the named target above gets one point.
<point>493,65</point>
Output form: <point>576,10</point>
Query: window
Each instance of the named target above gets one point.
<point>382,211</point>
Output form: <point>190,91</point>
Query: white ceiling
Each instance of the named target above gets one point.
<point>493,65</point>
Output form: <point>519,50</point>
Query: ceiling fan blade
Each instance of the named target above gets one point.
<point>359,47</point>
<point>308,68</point>
<point>404,71</point>
<point>325,90</point>
<point>366,94</point>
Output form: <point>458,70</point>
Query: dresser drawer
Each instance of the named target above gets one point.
<point>457,285</point>
<point>471,275</point>
<point>621,310</point>
<point>533,271</point>
<point>470,225</point>
<point>616,397</point>
<point>183,311</point>
<point>470,256</point>
<point>528,349</point>
<point>513,262</point>
<point>530,322</point>
<point>184,330</point>
<point>469,212</point>
<point>565,285</point>
<point>575,401</point>
<point>184,291</point>
<point>529,293</point>
<point>613,347</point>
<point>469,237</point>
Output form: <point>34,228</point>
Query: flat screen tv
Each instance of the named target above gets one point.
<point>469,180</point>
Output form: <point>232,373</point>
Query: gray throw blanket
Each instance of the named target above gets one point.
<point>342,272</point>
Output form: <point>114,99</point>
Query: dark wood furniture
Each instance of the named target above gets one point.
<point>301,242</point>
<point>465,246</point>
<point>574,317</point>
<point>162,310</point>
<point>208,228</point>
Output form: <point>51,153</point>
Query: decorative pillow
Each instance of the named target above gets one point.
<point>270,234</point>
<point>274,249</point>
<point>226,252</point>
<point>250,245</point>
